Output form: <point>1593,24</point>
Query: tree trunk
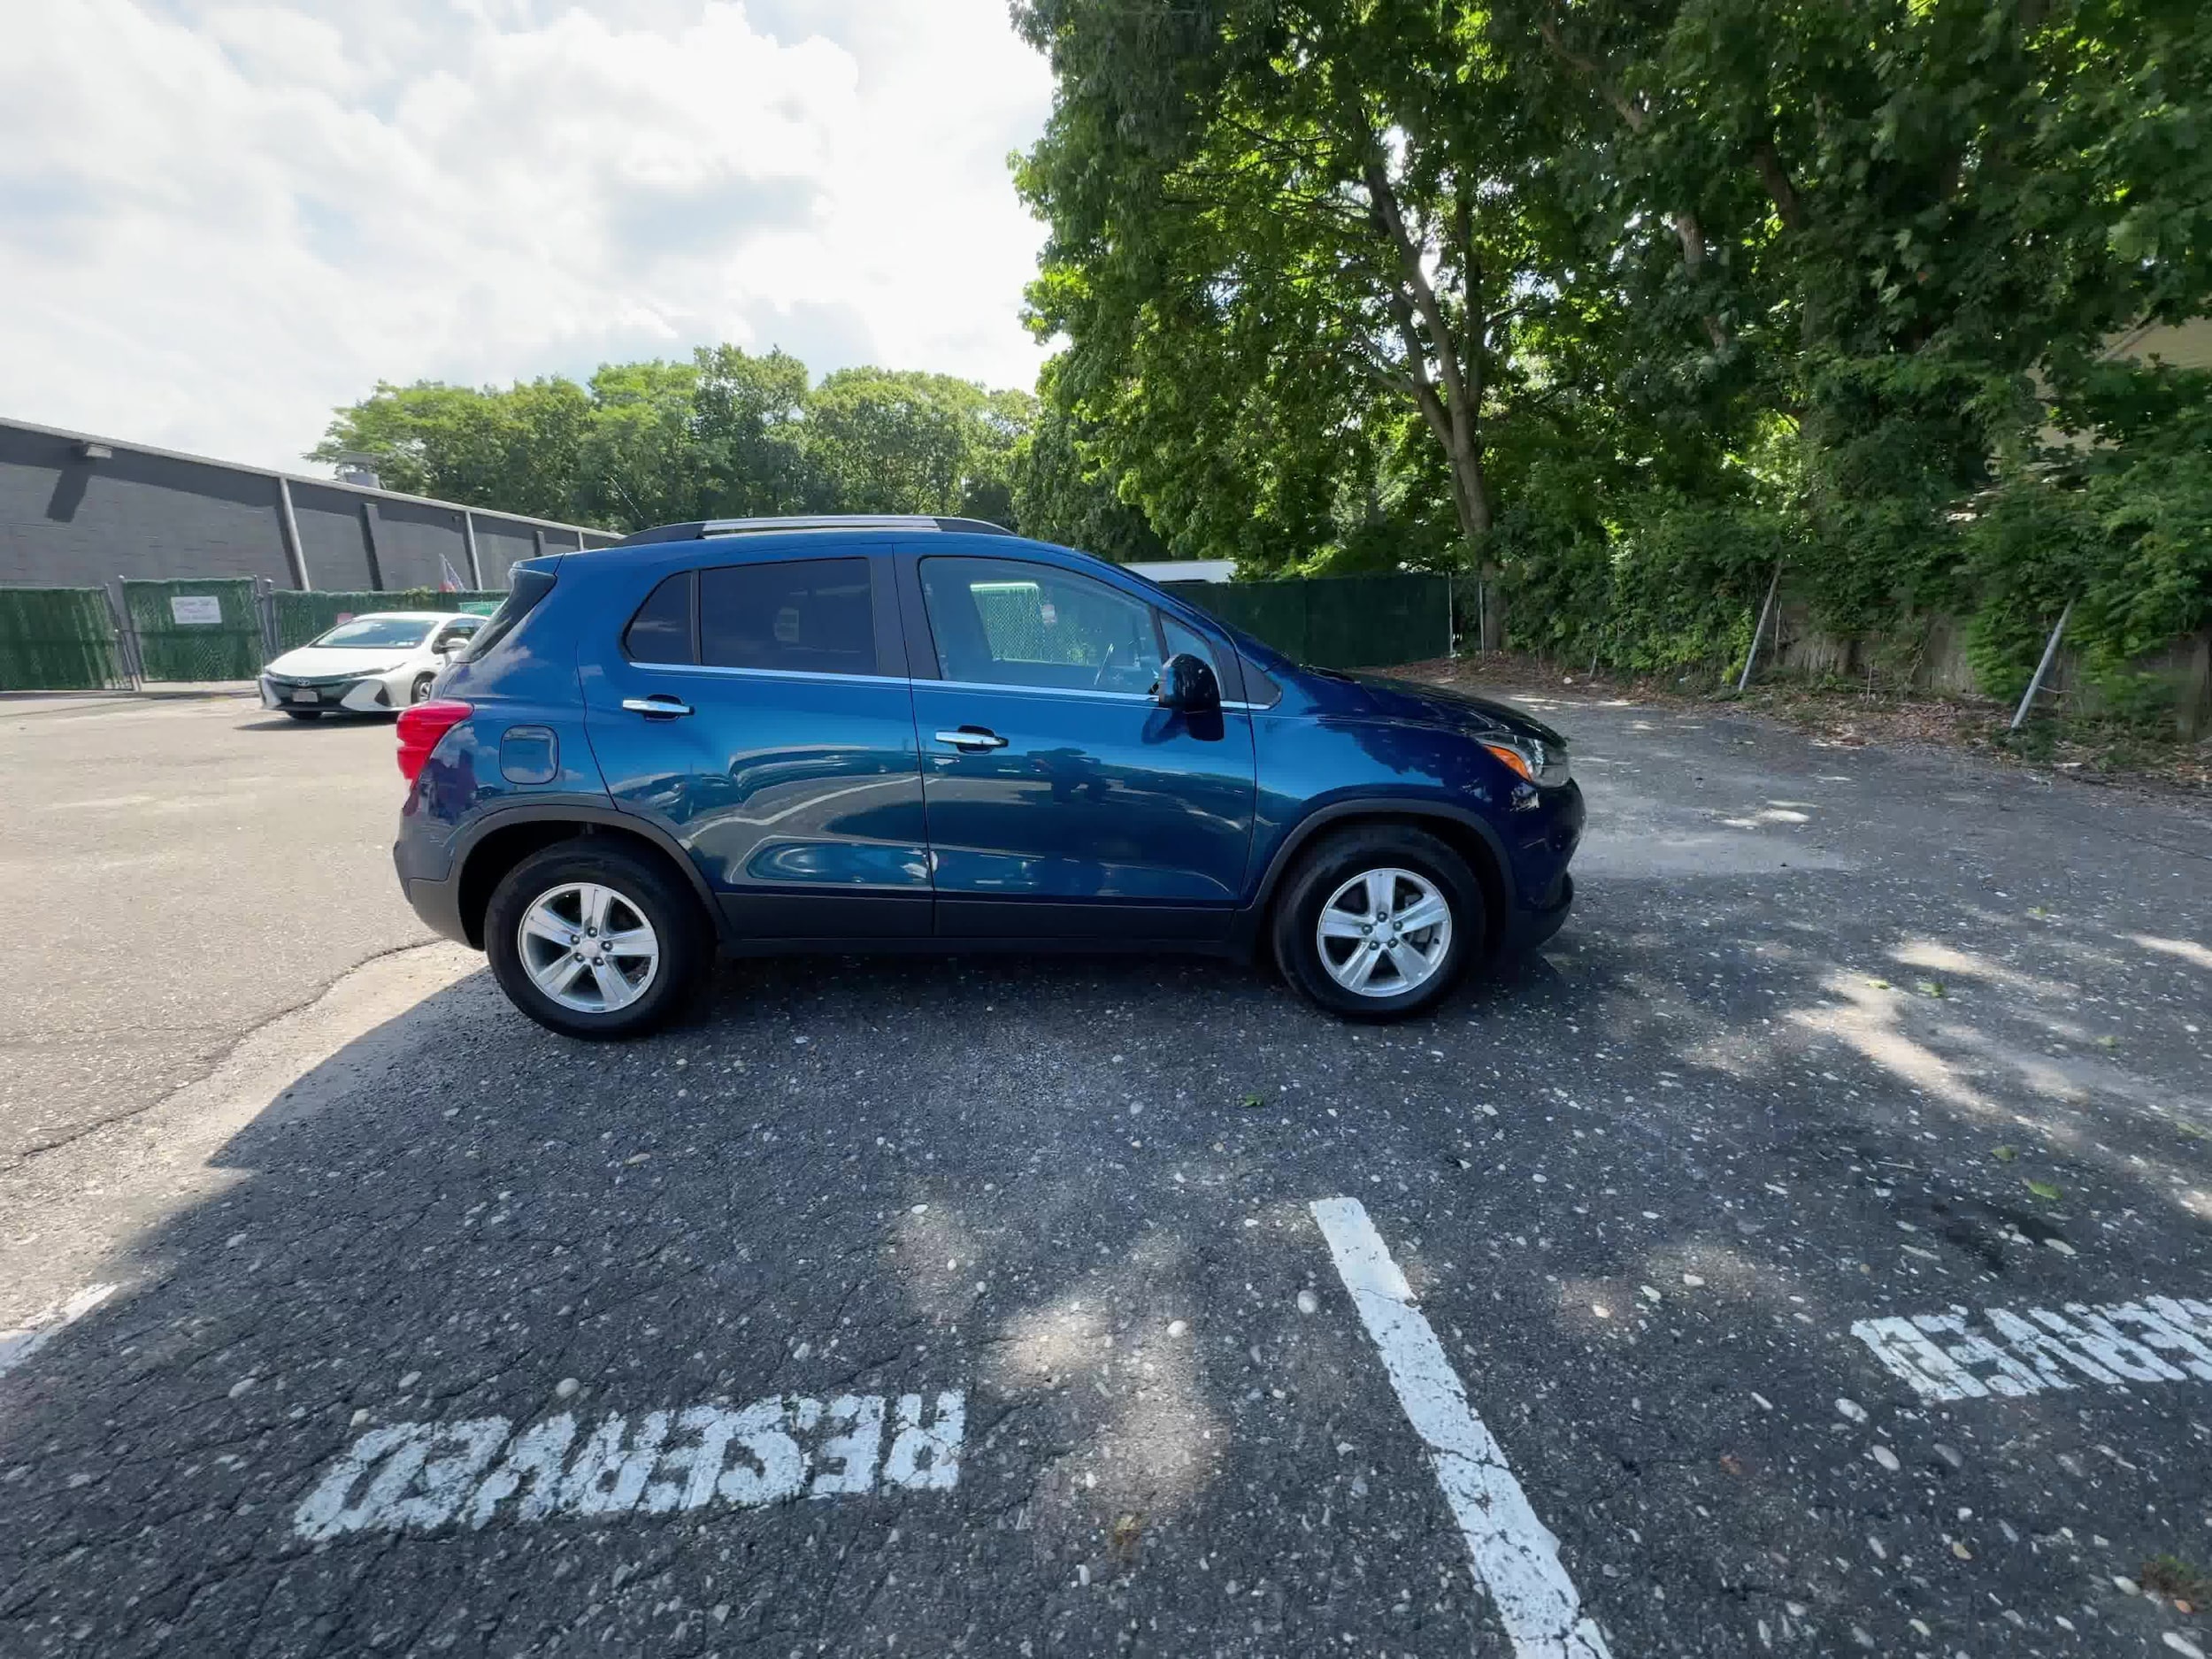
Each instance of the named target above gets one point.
<point>1454,412</point>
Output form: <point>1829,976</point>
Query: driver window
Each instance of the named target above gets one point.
<point>1001,622</point>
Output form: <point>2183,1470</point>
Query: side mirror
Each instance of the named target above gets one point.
<point>1187,686</point>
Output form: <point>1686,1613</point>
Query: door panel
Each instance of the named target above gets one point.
<point>1091,798</point>
<point>798,794</point>
<point>1065,812</point>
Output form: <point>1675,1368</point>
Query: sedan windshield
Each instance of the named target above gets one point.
<point>378,634</point>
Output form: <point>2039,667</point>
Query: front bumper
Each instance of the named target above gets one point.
<point>1529,928</point>
<point>366,695</point>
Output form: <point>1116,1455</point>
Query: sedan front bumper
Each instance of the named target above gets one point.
<point>366,695</point>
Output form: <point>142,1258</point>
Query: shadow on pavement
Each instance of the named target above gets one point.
<point>996,1281</point>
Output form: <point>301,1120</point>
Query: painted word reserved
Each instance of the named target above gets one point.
<point>2159,1339</point>
<point>412,1477</point>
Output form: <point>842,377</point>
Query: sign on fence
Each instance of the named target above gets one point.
<point>196,610</point>
<point>194,630</point>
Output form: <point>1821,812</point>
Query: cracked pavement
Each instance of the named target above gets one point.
<point>1836,1035</point>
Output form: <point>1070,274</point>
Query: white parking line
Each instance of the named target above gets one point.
<point>1514,1553</point>
<point>2157,1339</point>
<point>19,1344</point>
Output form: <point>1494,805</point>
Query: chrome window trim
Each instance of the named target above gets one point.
<point>767,673</point>
<point>908,679</point>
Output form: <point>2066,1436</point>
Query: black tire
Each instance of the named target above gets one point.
<point>303,714</point>
<point>1337,858</point>
<point>643,884</point>
<point>420,692</point>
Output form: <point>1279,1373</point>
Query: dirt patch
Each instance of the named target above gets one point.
<point>2094,753</point>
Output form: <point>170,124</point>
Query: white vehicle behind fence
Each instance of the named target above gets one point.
<point>375,662</point>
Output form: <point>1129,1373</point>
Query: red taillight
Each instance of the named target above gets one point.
<point>421,726</point>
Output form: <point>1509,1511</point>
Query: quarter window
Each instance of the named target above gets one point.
<point>1180,638</point>
<point>661,631</point>
<point>1001,622</point>
<point>809,616</point>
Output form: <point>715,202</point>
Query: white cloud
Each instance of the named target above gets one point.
<point>218,221</point>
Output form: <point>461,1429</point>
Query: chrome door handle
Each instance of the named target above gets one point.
<point>668,706</point>
<point>967,739</point>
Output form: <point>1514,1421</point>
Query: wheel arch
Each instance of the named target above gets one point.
<point>506,838</point>
<point>1464,832</point>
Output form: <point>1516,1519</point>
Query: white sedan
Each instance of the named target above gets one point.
<point>376,662</point>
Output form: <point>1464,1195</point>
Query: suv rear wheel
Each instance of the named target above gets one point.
<point>1377,922</point>
<point>594,941</point>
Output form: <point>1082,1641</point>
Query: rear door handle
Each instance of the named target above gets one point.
<point>972,737</point>
<point>666,707</point>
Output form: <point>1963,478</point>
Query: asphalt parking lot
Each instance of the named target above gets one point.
<point>1805,1253</point>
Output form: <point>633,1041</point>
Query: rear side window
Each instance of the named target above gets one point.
<point>522,595</point>
<point>661,631</point>
<point>804,616</point>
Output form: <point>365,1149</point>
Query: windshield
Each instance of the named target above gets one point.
<point>378,634</point>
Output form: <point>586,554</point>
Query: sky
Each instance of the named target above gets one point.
<point>218,222</point>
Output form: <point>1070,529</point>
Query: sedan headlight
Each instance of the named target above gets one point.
<point>1539,763</point>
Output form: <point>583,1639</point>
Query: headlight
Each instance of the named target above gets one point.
<point>1539,763</point>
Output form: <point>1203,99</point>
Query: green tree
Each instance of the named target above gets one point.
<point>727,435</point>
<point>1062,491</point>
<point>1641,296</point>
<point>1276,229</point>
<point>900,440</point>
<point>516,449</point>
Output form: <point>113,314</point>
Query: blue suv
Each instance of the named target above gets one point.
<point>914,734</point>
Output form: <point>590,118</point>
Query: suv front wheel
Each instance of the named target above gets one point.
<point>1377,921</point>
<point>594,941</point>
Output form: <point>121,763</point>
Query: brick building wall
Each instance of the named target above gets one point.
<point>72,517</point>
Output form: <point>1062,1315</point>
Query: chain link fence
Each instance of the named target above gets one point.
<point>185,630</point>
<point>296,618</point>
<point>58,639</point>
<point>1336,621</point>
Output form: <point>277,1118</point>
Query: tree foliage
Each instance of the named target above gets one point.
<point>727,435</point>
<point>1625,301</point>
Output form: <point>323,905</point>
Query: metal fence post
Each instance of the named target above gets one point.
<point>126,636</point>
<point>2050,651</point>
<point>1759,628</point>
<point>468,539</point>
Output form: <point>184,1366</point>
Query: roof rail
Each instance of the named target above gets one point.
<point>697,530</point>
<point>850,521</point>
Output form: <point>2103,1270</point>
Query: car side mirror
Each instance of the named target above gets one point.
<point>1187,686</point>
<point>447,647</point>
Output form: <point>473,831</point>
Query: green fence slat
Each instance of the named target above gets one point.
<point>304,617</point>
<point>56,639</point>
<point>1372,621</point>
<point>185,629</point>
<point>1336,621</point>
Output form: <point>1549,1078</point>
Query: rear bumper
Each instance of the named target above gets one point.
<point>439,904</point>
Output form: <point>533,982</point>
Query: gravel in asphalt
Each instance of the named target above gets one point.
<point>984,1306</point>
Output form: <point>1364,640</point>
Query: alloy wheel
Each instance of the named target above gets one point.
<point>1385,932</point>
<point>589,946</point>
